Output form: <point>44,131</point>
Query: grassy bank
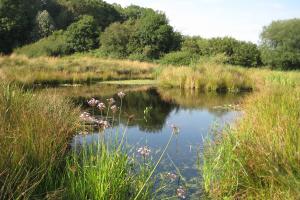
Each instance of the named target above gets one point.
<point>72,70</point>
<point>259,158</point>
<point>35,131</point>
<point>36,161</point>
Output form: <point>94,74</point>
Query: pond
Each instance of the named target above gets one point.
<point>152,112</point>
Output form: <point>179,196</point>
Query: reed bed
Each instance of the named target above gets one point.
<point>207,77</point>
<point>35,131</point>
<point>260,157</point>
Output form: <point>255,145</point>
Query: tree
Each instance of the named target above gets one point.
<point>103,13</point>
<point>135,12</point>
<point>154,36</point>
<point>16,22</point>
<point>280,44</point>
<point>83,35</point>
<point>44,25</point>
<point>115,39</point>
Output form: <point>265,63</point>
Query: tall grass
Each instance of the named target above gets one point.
<point>105,174</point>
<point>34,131</point>
<point>260,157</point>
<point>72,69</point>
<point>206,77</point>
<point>36,161</point>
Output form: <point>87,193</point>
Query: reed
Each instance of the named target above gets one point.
<point>34,131</point>
<point>259,158</point>
<point>207,77</point>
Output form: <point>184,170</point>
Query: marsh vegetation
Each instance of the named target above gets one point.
<point>201,117</point>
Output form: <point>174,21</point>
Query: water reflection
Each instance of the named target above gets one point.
<point>159,102</point>
<point>194,113</point>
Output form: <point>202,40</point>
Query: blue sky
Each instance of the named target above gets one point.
<point>241,19</point>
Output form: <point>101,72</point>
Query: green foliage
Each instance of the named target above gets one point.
<point>82,35</point>
<point>103,13</point>
<point>134,12</point>
<point>145,38</point>
<point>115,39</point>
<point>245,54</point>
<point>237,52</point>
<point>16,22</point>
<point>179,58</point>
<point>154,36</point>
<point>54,45</point>
<point>281,44</point>
<point>44,26</point>
<point>107,173</point>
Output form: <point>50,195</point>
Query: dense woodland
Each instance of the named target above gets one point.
<point>63,27</point>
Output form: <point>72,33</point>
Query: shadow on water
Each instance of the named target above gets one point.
<point>193,112</point>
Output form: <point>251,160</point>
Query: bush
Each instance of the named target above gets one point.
<point>237,52</point>
<point>179,58</point>
<point>115,39</point>
<point>245,54</point>
<point>82,35</point>
<point>54,45</point>
<point>280,44</point>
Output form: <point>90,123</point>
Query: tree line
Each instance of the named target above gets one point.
<point>63,27</point>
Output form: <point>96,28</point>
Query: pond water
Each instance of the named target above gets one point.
<point>155,110</point>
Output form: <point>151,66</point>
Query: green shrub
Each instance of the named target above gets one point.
<point>237,52</point>
<point>179,58</point>
<point>82,35</point>
<point>54,45</point>
<point>115,39</point>
<point>245,54</point>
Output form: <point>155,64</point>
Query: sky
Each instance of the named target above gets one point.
<point>241,19</point>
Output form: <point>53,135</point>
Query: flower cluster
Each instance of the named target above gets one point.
<point>93,102</point>
<point>103,124</point>
<point>111,101</point>
<point>181,193</point>
<point>121,95</point>
<point>144,151</point>
<point>171,176</point>
<point>85,116</point>
<point>114,109</point>
<point>101,106</point>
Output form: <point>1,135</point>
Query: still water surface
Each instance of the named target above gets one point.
<point>195,114</point>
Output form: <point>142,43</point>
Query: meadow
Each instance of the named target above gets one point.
<point>53,71</point>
